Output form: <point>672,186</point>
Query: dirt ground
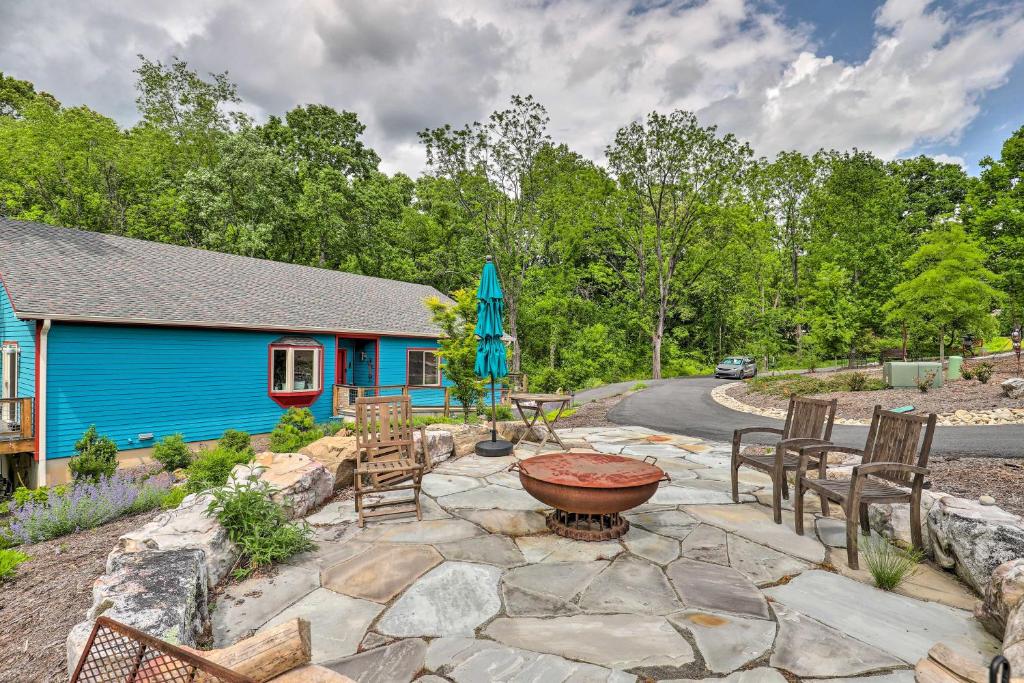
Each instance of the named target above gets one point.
<point>593,414</point>
<point>50,594</point>
<point>961,394</point>
<point>1001,478</point>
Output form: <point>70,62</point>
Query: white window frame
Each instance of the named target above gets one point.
<point>10,356</point>
<point>318,367</point>
<point>423,367</point>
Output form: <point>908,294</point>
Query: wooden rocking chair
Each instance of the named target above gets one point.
<point>808,422</point>
<point>386,456</point>
<point>887,467</point>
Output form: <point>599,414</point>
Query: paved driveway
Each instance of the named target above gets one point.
<point>684,406</point>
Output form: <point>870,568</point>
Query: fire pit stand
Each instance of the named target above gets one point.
<point>589,490</point>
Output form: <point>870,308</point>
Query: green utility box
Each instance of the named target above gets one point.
<point>901,375</point>
<point>955,363</point>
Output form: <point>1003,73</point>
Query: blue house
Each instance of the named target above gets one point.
<point>144,339</point>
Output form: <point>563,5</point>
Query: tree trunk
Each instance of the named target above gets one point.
<point>659,333</point>
<point>512,306</point>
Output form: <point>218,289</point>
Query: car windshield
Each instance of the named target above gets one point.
<point>732,361</point>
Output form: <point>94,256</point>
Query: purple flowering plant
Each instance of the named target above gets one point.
<point>86,505</point>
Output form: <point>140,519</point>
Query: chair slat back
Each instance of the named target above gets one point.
<point>809,418</point>
<point>896,437</point>
<point>384,428</point>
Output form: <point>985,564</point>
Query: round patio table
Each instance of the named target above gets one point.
<point>535,403</point>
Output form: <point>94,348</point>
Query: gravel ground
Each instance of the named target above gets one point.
<point>1001,478</point>
<point>49,594</point>
<point>592,414</point>
<point>961,394</point>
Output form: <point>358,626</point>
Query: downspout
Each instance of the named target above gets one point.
<point>41,358</point>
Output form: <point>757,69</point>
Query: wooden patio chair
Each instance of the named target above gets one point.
<point>891,460</point>
<point>808,422</point>
<point>386,456</point>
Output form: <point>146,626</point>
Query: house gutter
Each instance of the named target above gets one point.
<point>41,359</point>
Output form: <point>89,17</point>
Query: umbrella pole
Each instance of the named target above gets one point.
<point>494,414</point>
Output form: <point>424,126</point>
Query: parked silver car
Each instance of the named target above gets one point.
<point>736,367</point>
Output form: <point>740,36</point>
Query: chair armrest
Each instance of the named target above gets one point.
<point>874,467</point>
<point>802,441</point>
<point>751,430</point>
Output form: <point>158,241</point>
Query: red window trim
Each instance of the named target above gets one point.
<point>293,399</point>
<point>408,365</point>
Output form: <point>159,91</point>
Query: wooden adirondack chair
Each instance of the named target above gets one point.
<point>808,422</point>
<point>386,456</point>
<point>891,460</point>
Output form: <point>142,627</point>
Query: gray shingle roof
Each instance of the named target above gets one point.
<point>63,273</point>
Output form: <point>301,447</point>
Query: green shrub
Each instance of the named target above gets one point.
<point>502,412</point>
<point>258,525</point>
<point>296,429</point>
<point>925,383</point>
<point>888,564</point>
<point>172,452</point>
<point>235,440</point>
<point>40,495</point>
<point>858,381</point>
<point>330,428</point>
<point>96,457</point>
<point>173,498</point>
<point>805,385</point>
<point>639,386</point>
<point>546,379</point>
<point>966,371</point>
<point>9,561</point>
<point>983,372</point>
<point>212,467</point>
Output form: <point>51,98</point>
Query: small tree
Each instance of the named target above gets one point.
<point>950,289</point>
<point>96,457</point>
<point>457,347</point>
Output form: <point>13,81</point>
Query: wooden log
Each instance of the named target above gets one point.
<point>944,665</point>
<point>312,673</point>
<point>267,654</point>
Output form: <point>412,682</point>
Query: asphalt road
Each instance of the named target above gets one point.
<point>684,406</point>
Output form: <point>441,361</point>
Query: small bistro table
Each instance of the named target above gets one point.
<point>535,402</point>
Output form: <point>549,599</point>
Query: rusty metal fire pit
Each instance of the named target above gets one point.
<point>589,490</point>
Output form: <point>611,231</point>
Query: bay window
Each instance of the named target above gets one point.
<point>296,371</point>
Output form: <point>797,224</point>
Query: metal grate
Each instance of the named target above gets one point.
<point>581,526</point>
<point>116,652</point>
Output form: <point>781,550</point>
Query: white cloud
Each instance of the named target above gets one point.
<point>595,64</point>
<point>950,159</point>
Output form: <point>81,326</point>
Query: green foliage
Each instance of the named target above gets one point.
<point>296,429</point>
<point>9,561</point>
<point>457,347</point>
<point>96,456</point>
<point>966,371</point>
<point>889,565</point>
<point>174,496</point>
<point>983,372</point>
<point>639,386</point>
<point>211,468</point>
<point>924,382</point>
<point>502,412</point>
<point>235,440</point>
<point>172,452</point>
<point>258,525</point>
<point>805,385</point>
<point>39,495</point>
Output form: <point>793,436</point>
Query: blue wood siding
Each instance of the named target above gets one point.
<point>393,367</point>
<point>133,380</point>
<point>23,332</point>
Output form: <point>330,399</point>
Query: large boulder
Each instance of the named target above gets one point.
<point>160,592</point>
<point>464,436</point>
<point>338,454</point>
<point>1004,594</point>
<point>1013,387</point>
<point>187,527</point>
<point>1013,640</point>
<point>440,445</point>
<point>300,483</point>
<point>973,538</point>
<point>892,520</point>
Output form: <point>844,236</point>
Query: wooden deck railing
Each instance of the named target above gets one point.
<point>16,428</point>
<point>436,399</point>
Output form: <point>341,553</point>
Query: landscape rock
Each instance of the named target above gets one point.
<point>300,484</point>
<point>1003,595</point>
<point>185,527</point>
<point>1013,387</point>
<point>892,520</point>
<point>160,592</point>
<point>452,600</point>
<point>338,454</point>
<point>440,445</point>
<point>986,500</point>
<point>973,538</point>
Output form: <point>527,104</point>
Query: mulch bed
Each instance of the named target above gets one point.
<point>958,395</point>
<point>48,596</point>
<point>1001,478</point>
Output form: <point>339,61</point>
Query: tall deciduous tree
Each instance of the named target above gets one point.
<point>679,179</point>
<point>492,171</point>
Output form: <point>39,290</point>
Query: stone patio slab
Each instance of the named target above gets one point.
<point>338,512</point>
<point>244,607</point>
<point>716,588</point>
<point>760,675</point>
<point>337,622</point>
<point>761,564</point>
<point>490,497</point>
<point>684,494</point>
<point>438,484</point>
<point>382,572</point>
<point>902,676</point>
<point>552,548</point>
<point>633,586</point>
<point>650,546</point>
<point>747,476</point>
<point>563,580</point>
<point>447,653</point>
<point>831,532</point>
<point>927,582</point>
<point>451,600</point>
<point>491,549</point>
<point>507,522</point>
<point>666,522</point>
<point>508,664</point>
<point>809,648</point>
<point>754,522</point>
<point>509,479</point>
<point>427,531</point>
<point>395,663</point>
<point>475,466</point>
<point>706,543</point>
<point>618,641</point>
<point>726,641</point>
<point>901,626</point>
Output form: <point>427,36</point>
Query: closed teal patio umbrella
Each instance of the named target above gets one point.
<point>490,349</point>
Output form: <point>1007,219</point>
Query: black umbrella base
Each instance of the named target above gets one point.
<point>493,449</point>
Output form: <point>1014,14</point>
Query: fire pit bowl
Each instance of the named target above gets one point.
<point>589,490</point>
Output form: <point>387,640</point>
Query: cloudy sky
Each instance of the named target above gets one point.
<point>898,77</point>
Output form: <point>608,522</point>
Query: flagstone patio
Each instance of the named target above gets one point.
<point>699,588</point>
